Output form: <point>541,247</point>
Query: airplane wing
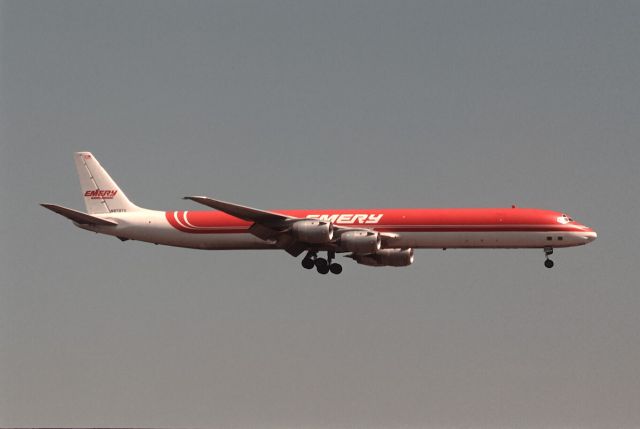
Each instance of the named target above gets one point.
<point>78,217</point>
<point>274,226</point>
<point>267,225</point>
<point>250,214</point>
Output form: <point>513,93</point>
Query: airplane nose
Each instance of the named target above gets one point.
<point>590,236</point>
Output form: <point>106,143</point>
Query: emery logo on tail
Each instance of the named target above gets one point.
<point>100,194</point>
<point>348,218</point>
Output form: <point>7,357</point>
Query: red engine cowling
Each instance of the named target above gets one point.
<point>386,258</point>
<point>312,231</point>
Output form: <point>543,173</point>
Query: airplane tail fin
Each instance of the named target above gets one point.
<point>100,191</point>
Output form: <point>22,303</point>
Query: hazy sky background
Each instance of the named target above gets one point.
<point>291,104</point>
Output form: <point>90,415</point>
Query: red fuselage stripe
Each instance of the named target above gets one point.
<point>229,225</point>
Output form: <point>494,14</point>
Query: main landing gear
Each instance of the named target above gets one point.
<point>323,266</point>
<point>547,252</point>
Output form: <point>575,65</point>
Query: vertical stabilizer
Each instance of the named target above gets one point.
<point>101,194</point>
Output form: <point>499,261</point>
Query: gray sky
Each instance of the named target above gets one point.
<point>287,104</point>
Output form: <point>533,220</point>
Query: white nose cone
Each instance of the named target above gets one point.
<point>590,236</point>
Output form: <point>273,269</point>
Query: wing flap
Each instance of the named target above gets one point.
<point>78,217</point>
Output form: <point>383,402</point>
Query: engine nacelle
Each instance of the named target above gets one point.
<point>386,258</point>
<point>312,231</point>
<point>360,241</point>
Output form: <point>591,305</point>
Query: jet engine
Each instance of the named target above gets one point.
<point>386,258</point>
<point>360,241</point>
<point>312,231</point>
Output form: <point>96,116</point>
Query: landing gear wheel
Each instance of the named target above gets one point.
<point>320,262</point>
<point>322,268</point>
<point>548,251</point>
<point>335,268</point>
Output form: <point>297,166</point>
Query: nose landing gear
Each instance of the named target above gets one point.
<point>323,266</point>
<point>547,252</point>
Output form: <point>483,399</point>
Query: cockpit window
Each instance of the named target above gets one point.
<point>564,219</point>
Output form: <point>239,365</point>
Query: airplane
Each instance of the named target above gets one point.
<point>372,237</point>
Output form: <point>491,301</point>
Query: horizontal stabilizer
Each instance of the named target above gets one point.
<point>78,217</point>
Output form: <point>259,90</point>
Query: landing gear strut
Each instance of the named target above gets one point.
<point>323,266</point>
<point>547,252</point>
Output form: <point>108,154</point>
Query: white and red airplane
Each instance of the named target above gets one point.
<point>374,237</point>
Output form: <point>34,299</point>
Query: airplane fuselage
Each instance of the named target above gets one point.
<point>372,237</point>
<point>415,228</point>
